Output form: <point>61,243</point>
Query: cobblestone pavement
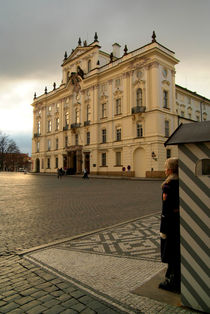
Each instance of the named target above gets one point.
<point>37,210</point>
<point>112,263</point>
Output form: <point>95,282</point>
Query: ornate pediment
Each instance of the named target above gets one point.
<point>76,53</point>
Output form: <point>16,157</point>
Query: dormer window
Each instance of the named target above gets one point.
<point>89,65</point>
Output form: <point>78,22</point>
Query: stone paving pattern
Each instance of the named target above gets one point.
<point>138,239</point>
<point>105,268</point>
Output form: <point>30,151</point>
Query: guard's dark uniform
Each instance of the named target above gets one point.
<point>170,226</point>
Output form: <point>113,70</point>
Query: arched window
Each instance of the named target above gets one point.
<point>77,115</point>
<point>89,65</point>
<point>39,127</point>
<point>66,119</point>
<point>88,112</point>
<point>139,97</point>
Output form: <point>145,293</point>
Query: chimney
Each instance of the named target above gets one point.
<point>116,50</point>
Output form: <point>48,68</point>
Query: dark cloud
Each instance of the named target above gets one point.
<point>35,34</point>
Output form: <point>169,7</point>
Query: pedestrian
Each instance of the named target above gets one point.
<point>85,175</point>
<point>170,227</point>
<point>59,173</point>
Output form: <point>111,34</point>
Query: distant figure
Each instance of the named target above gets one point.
<point>85,175</point>
<point>59,173</point>
<point>170,227</point>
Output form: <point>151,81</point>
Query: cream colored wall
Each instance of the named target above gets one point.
<point>99,87</point>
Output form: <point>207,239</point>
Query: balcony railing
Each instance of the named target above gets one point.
<point>75,125</point>
<point>66,127</point>
<point>87,123</point>
<point>138,109</point>
<point>37,134</point>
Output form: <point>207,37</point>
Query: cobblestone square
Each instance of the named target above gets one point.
<point>37,211</point>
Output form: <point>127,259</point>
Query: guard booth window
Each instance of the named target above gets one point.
<point>202,167</point>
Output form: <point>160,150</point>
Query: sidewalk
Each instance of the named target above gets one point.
<point>119,266</point>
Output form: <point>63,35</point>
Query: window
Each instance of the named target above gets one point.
<point>57,124</point>
<point>103,110</point>
<point>88,138</point>
<point>117,83</point>
<point>57,107</point>
<point>202,167</point>
<point>37,147</point>
<point>49,125</point>
<point>139,97</point>
<point>118,106</point>
<point>49,108</point>
<point>49,144</point>
<point>56,162</point>
<point>165,99</point>
<point>139,130</point>
<point>39,127</point>
<point>56,143</point>
<point>167,128</point>
<point>88,113</point>
<point>103,159</point>
<point>168,153</point>
<point>89,65</point>
<point>76,139</point>
<point>182,113</point>
<point>190,115</point>
<point>42,163</point>
<point>48,163</point>
<point>104,136</point>
<point>118,134</point>
<point>77,115</point>
<point>118,158</point>
<point>66,119</point>
<point>66,141</point>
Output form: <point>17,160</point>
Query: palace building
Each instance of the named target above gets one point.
<point>113,112</point>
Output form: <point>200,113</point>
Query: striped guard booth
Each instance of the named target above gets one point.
<point>193,142</point>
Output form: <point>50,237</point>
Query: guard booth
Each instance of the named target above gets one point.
<point>193,142</point>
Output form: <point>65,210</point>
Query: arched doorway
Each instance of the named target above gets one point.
<point>37,169</point>
<point>139,158</point>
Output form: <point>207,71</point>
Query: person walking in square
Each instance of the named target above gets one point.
<point>85,175</point>
<point>170,227</point>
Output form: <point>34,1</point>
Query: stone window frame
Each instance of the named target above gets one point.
<point>103,159</point>
<point>139,130</point>
<point>104,135</point>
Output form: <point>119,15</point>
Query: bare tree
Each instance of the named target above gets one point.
<point>7,147</point>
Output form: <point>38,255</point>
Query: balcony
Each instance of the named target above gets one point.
<point>138,109</point>
<point>75,125</point>
<point>37,134</point>
<point>66,127</point>
<point>87,123</point>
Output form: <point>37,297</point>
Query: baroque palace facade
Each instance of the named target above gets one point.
<point>112,113</point>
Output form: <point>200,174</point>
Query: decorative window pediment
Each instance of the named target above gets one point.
<point>103,98</point>
<point>166,82</point>
<point>118,93</point>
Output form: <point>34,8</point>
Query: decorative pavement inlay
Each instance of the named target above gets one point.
<point>112,263</point>
<point>138,239</point>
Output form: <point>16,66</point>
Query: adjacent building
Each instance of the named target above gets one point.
<point>113,112</point>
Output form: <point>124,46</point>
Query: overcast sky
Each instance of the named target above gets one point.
<point>34,34</point>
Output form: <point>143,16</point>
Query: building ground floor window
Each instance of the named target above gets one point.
<point>56,162</point>
<point>48,163</point>
<point>118,158</point>
<point>103,159</point>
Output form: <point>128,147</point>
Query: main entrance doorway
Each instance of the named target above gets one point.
<point>74,159</point>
